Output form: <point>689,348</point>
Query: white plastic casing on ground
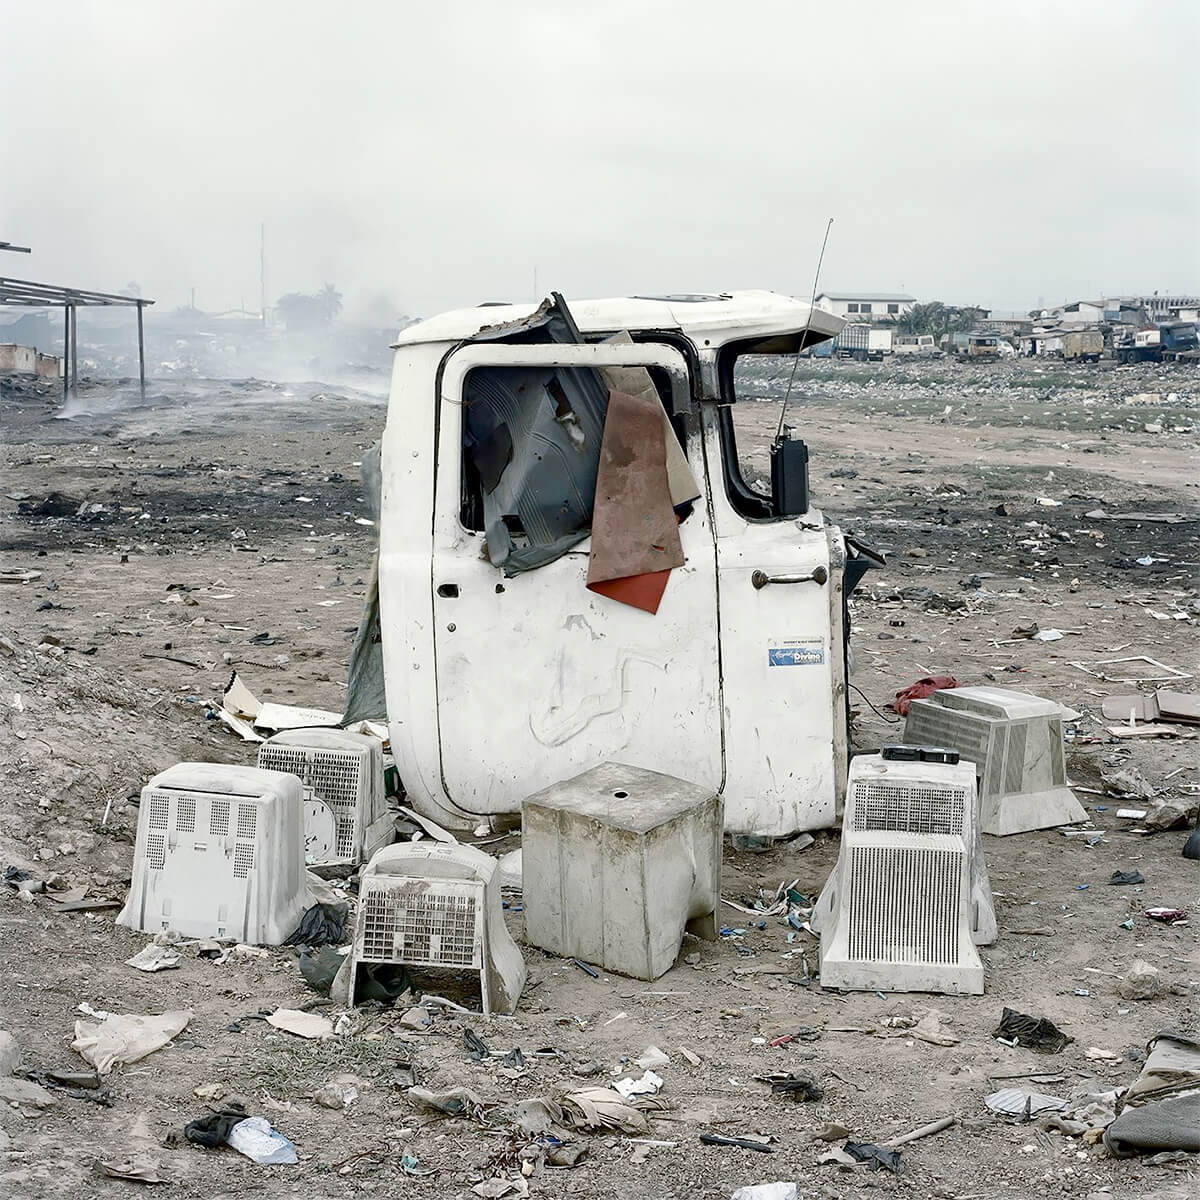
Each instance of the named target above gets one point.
<point>438,906</point>
<point>345,771</point>
<point>909,896</point>
<point>219,854</point>
<point>616,863</point>
<point>1016,743</point>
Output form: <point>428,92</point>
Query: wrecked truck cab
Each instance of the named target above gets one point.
<point>508,665</point>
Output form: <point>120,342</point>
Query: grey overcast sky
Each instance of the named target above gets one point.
<point>428,155</point>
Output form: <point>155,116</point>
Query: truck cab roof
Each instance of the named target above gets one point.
<point>707,320</point>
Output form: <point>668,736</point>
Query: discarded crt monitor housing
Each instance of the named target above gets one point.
<point>617,863</point>
<point>505,669</point>
<point>1015,742</point>
<point>342,776</point>
<point>438,907</point>
<point>909,897</point>
<point>219,854</point>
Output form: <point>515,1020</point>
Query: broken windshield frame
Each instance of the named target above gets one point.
<point>747,501</point>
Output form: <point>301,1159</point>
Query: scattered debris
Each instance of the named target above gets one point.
<point>797,1085</point>
<point>302,1024</point>
<point>603,1108</point>
<point>830,1132</point>
<point>922,1131</point>
<point>124,1039</point>
<point>1169,916</point>
<point>649,1085</point>
<point>1142,981</point>
<point>1037,1033</point>
<point>931,1028</point>
<point>258,1141</point>
<point>154,958</point>
<point>1126,878</point>
<point>1161,1110</point>
<point>919,691</point>
<point>768,1191</point>
<point>132,1171</point>
<point>456,1102</point>
<point>878,1158</point>
<point>10,1053</point>
<point>321,925</point>
<point>717,1139</point>
<point>1014,1102</point>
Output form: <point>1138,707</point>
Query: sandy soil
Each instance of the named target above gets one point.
<point>229,511</point>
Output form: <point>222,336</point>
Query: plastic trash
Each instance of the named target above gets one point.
<point>768,1191</point>
<point>255,1138</point>
<point>126,1038</point>
<point>648,1085</point>
<point>321,925</point>
<point>154,958</point>
<point>879,1158</point>
<point>1037,1033</point>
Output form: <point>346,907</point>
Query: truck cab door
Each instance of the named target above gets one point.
<point>780,585</point>
<point>538,678</point>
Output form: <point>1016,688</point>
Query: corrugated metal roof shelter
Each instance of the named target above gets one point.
<point>25,293</point>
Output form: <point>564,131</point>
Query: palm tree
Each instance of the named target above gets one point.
<point>330,300</point>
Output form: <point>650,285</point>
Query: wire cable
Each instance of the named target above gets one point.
<point>876,711</point>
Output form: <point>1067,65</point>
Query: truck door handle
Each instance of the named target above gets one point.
<point>760,579</point>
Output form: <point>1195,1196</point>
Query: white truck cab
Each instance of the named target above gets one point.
<point>503,672</point>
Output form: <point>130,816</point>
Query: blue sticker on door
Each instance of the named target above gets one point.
<point>804,652</point>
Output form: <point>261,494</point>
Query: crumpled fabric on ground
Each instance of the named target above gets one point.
<point>213,1130</point>
<point>920,690</point>
<point>1037,1033</point>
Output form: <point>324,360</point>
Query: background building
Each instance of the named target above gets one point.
<point>866,306</point>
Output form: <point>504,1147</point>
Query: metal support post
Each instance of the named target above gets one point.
<point>141,353</point>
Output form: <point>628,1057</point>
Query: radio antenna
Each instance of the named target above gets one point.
<point>804,334</point>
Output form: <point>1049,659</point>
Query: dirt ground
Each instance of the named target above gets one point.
<point>221,511</point>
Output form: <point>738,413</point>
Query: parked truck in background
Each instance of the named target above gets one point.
<point>1172,341</point>
<point>1085,345</point>
<point>864,343</point>
<point>983,345</point>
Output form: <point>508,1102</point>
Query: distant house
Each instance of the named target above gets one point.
<point>866,306</point>
<point>1078,312</point>
<point>1161,308</point>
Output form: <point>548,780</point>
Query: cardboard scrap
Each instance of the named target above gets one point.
<point>289,716</point>
<point>243,712</point>
<point>239,700</point>
<point>302,1024</point>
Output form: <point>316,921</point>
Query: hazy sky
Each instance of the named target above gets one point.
<point>428,155</point>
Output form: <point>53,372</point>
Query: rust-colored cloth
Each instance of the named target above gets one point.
<point>635,532</point>
<point>921,689</point>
